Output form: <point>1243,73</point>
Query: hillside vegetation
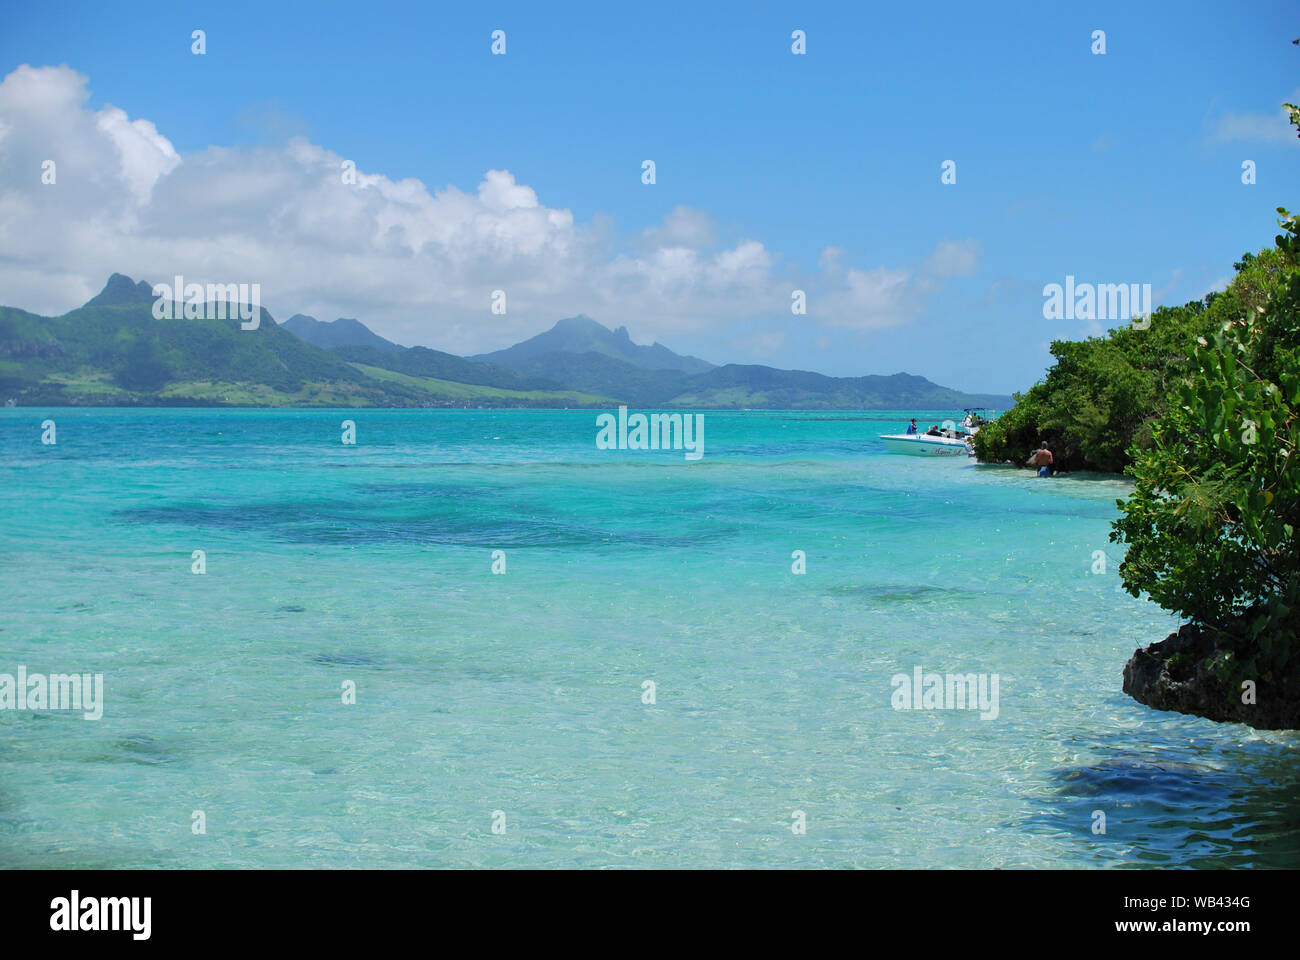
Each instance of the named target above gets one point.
<point>1099,401</point>
<point>1211,524</point>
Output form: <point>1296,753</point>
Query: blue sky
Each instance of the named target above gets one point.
<point>1118,168</point>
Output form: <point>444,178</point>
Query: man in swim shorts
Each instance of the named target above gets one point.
<point>1042,459</point>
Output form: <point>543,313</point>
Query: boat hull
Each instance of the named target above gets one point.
<point>922,445</point>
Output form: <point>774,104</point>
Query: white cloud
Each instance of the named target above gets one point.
<point>1270,127</point>
<point>830,258</point>
<point>761,345</point>
<point>954,258</point>
<point>868,300</point>
<point>1218,286</point>
<point>417,264</point>
<point>683,227</point>
<point>884,296</point>
<point>144,154</point>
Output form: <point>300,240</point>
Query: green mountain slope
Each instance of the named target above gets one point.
<point>580,335</point>
<point>758,387</point>
<point>334,334</point>
<point>606,375</point>
<point>457,394</point>
<point>423,362</point>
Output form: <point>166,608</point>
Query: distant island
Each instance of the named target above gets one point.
<point>112,351</point>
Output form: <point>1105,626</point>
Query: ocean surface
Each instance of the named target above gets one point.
<point>519,700</point>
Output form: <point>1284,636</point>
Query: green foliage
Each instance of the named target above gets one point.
<point>1211,523</point>
<point>143,368</point>
<point>1099,402</point>
<point>423,362</point>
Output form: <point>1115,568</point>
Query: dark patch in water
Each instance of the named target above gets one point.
<point>1174,813</point>
<point>142,748</point>
<point>436,520</point>
<point>291,608</point>
<point>1176,784</point>
<point>888,593</point>
<point>462,492</point>
<point>344,659</point>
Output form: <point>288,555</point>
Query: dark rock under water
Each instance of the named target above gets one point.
<point>1185,673</point>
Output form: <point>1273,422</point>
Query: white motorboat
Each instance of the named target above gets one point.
<point>950,441</point>
<point>924,444</point>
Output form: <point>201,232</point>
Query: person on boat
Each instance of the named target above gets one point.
<point>911,427</point>
<point>1042,459</point>
<point>933,431</point>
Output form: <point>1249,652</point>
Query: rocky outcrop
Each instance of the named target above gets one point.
<point>121,290</point>
<point>1197,670</point>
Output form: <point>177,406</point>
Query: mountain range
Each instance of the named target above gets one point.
<point>343,332</point>
<point>581,334</point>
<point>113,351</point>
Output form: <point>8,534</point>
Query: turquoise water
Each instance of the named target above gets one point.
<point>523,692</point>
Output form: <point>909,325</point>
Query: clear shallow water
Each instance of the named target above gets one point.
<point>523,692</point>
